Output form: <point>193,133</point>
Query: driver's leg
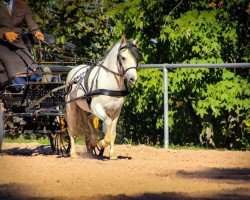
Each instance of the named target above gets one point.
<point>11,61</point>
<point>14,65</point>
<point>36,76</point>
<point>18,83</point>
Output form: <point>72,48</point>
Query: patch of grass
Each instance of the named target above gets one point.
<point>22,138</point>
<point>27,139</point>
<point>80,140</point>
<point>194,147</point>
<point>187,147</point>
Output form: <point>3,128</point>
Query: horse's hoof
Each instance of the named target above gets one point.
<point>112,155</point>
<point>101,151</point>
<point>113,158</point>
<point>102,144</point>
<point>73,155</point>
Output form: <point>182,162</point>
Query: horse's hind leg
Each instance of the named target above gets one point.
<point>93,135</point>
<point>71,118</point>
<point>92,140</point>
<point>72,148</point>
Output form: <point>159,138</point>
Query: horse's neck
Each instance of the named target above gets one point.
<point>109,79</point>
<point>111,59</point>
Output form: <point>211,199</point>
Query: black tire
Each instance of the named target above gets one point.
<point>60,143</point>
<point>1,125</point>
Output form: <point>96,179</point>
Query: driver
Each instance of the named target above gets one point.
<point>15,58</point>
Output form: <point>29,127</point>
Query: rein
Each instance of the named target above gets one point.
<point>64,54</point>
<point>113,72</point>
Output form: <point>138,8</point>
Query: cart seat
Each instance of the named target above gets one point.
<point>57,68</point>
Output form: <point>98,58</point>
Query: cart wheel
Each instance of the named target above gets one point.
<point>60,142</point>
<point>1,125</point>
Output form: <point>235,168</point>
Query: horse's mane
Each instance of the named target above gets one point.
<point>134,51</point>
<point>109,49</point>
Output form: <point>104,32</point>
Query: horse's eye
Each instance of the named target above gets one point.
<point>123,58</point>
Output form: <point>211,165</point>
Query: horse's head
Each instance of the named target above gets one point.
<point>128,58</point>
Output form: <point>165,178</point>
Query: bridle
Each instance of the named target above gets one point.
<point>119,59</point>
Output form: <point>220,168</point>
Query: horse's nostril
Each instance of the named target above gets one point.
<point>132,81</point>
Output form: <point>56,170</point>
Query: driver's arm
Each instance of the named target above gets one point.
<point>33,27</point>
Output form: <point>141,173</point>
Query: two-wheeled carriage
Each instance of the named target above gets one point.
<point>38,108</point>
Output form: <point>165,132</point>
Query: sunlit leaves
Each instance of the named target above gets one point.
<point>229,94</point>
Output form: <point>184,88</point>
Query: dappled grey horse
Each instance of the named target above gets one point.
<point>100,91</point>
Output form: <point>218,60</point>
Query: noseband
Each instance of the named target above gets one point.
<point>129,46</point>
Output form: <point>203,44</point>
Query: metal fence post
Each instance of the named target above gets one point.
<point>165,84</point>
<point>165,117</point>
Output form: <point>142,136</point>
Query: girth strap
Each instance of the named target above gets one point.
<point>112,93</point>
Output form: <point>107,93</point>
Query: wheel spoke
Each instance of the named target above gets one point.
<point>60,143</point>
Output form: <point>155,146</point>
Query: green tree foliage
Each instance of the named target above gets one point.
<point>80,22</point>
<point>191,32</point>
<point>208,107</point>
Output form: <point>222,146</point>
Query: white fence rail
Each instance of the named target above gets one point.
<point>165,68</point>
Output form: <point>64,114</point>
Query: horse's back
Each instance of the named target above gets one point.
<point>77,71</point>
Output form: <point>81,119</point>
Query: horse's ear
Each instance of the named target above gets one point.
<point>122,40</point>
<point>135,42</point>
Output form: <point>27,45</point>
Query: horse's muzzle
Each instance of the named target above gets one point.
<point>131,79</point>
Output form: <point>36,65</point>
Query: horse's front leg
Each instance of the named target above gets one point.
<point>107,138</point>
<point>101,114</point>
<point>113,135</point>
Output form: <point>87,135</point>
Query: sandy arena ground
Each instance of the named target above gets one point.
<point>28,171</point>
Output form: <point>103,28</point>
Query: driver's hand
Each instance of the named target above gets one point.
<point>11,36</point>
<point>39,36</point>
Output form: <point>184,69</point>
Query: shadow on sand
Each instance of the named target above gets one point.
<point>29,151</point>
<point>21,192</point>
<point>225,174</point>
<point>46,150</point>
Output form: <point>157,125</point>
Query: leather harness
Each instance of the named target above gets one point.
<point>89,92</point>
